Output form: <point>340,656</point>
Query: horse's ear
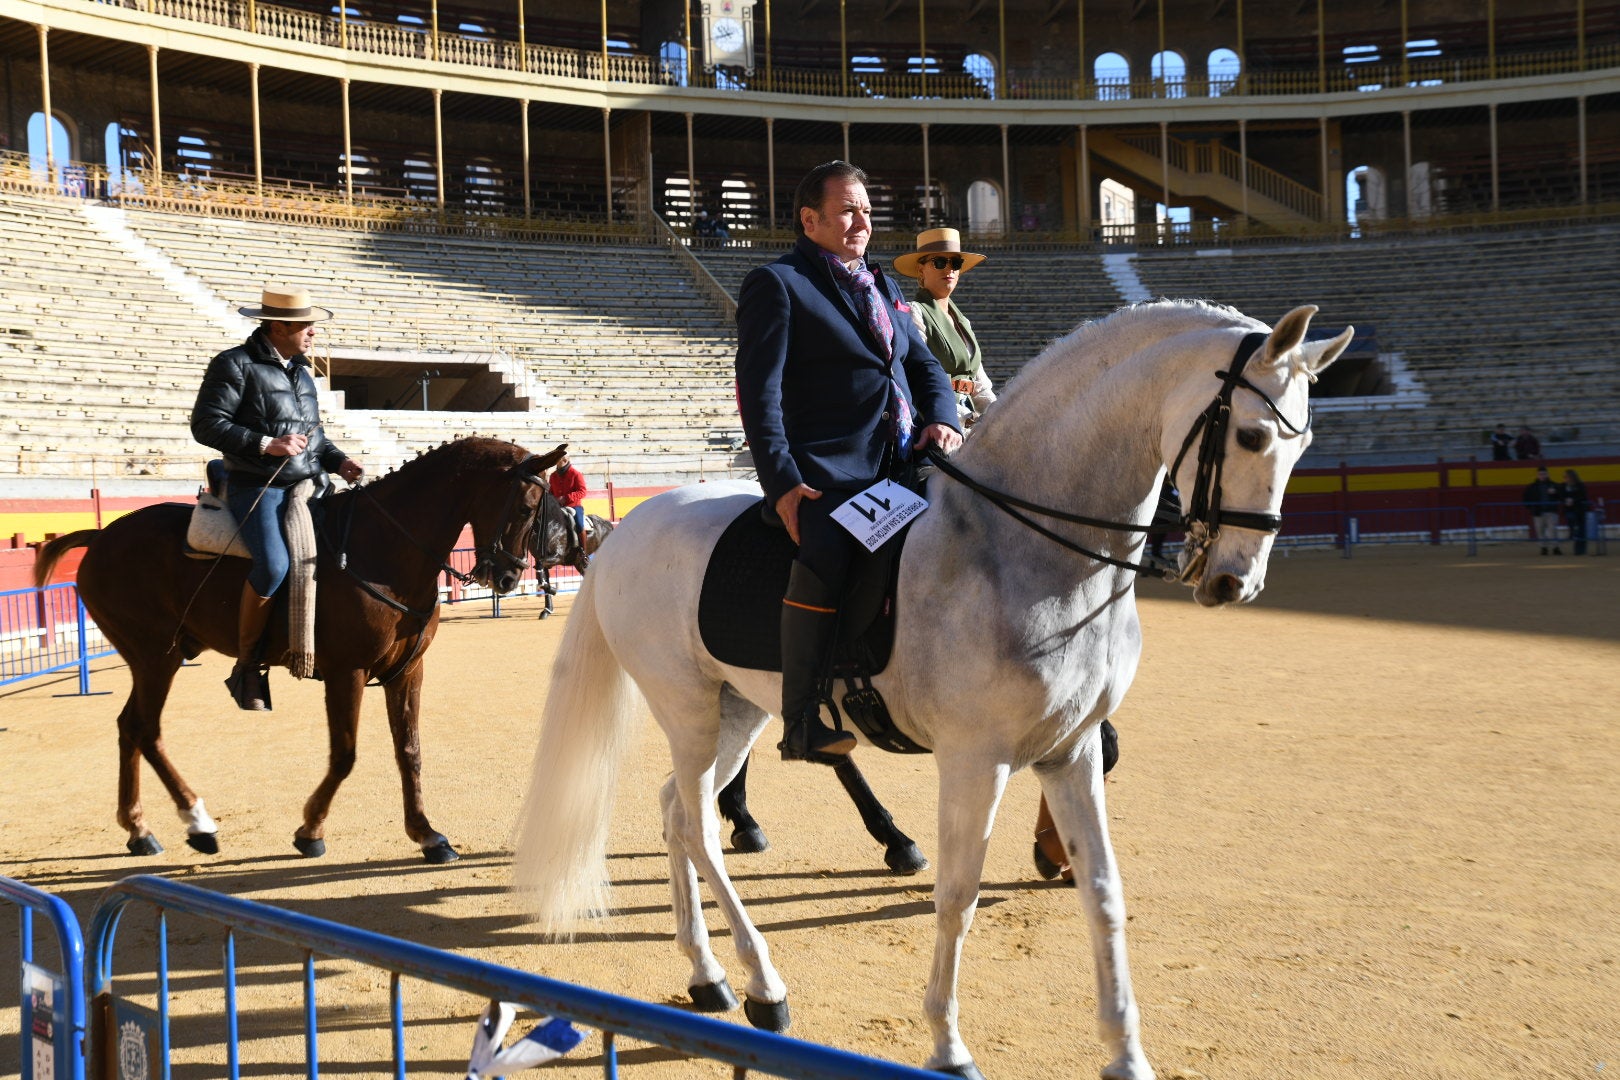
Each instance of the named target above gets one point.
<point>1319,354</point>
<point>545,461</point>
<point>1287,334</point>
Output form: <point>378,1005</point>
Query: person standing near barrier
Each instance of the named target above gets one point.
<point>258,407</point>
<point>834,382</point>
<point>568,485</point>
<point>1527,447</point>
<point>1501,444</point>
<point>1544,498</point>
<point>1575,505</point>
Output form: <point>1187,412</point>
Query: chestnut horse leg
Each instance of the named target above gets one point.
<point>140,735</point>
<point>343,691</point>
<point>404,720</point>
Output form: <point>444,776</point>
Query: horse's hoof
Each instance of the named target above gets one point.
<point>310,849</point>
<point>545,614</point>
<point>750,840</point>
<point>713,997</point>
<point>768,1016</point>
<point>440,853</point>
<point>205,842</point>
<point>969,1071</point>
<point>906,860</point>
<point>145,845</point>
<point>1044,866</point>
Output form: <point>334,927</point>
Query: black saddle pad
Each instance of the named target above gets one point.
<point>740,608</point>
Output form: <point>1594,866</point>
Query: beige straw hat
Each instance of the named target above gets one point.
<point>935,242</point>
<point>286,303</point>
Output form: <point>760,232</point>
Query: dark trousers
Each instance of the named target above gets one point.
<point>826,547</point>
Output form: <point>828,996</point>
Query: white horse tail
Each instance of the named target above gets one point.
<point>562,832</point>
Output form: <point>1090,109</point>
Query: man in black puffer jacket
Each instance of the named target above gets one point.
<point>258,407</point>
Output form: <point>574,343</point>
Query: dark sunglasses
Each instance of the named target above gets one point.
<point>941,262</point>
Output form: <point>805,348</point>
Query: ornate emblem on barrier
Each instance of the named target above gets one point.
<point>132,1052</point>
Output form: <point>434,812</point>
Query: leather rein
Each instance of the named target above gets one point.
<point>1204,517</point>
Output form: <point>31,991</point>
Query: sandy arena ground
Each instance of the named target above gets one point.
<point>1369,827</point>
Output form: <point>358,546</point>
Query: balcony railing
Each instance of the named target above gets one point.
<point>389,39</point>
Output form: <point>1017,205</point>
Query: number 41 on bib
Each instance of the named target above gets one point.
<point>876,515</point>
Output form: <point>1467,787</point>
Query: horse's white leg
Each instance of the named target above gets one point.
<point>970,789</point>
<point>1074,793</point>
<point>707,983</point>
<point>695,823</point>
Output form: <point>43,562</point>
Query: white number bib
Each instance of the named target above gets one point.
<point>875,515</point>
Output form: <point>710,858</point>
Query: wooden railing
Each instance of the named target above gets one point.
<point>1203,158</point>
<point>388,39</point>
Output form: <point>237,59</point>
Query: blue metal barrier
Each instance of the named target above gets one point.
<point>1432,525</point>
<point>743,1048</point>
<point>52,1032</point>
<point>564,580</point>
<point>46,630</point>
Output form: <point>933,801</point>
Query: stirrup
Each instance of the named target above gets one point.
<point>249,685</point>
<point>807,739</point>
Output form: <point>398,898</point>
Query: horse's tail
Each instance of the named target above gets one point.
<point>562,831</point>
<point>52,553</point>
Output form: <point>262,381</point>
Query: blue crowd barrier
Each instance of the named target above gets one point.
<point>46,630</point>
<point>51,1035</point>
<point>744,1049</point>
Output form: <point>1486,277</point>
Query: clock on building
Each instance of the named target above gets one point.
<point>728,34</point>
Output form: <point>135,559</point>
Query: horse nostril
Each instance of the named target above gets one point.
<point>1228,588</point>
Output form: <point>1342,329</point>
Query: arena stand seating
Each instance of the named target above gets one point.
<point>622,356</point>
<point>1498,326</point>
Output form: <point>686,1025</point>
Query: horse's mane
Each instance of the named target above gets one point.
<point>460,455</point>
<point>1085,342</point>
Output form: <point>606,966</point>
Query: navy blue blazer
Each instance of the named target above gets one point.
<point>812,383</point>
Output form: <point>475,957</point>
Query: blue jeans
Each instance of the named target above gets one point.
<point>579,522</point>
<point>263,533</point>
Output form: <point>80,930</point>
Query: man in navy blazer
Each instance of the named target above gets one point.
<point>836,388</point>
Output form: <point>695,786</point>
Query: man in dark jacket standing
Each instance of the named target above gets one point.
<point>1543,499</point>
<point>258,407</point>
<point>837,389</point>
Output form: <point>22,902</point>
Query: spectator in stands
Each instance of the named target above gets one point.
<point>721,233</point>
<point>939,263</point>
<point>1544,499</point>
<point>703,229</point>
<point>834,382</point>
<point>1527,447</point>
<point>1575,505</point>
<point>568,485</point>
<point>258,407</point>
<point>1501,444</point>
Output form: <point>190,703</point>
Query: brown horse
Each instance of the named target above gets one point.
<point>549,546</point>
<point>381,548</point>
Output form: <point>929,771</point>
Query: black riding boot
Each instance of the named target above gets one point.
<point>809,617</point>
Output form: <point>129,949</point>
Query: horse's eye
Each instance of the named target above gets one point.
<point>1251,438</point>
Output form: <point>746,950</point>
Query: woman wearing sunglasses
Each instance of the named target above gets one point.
<point>939,262</point>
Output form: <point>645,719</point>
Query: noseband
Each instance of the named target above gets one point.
<point>1204,517</point>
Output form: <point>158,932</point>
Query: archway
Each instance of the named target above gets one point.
<point>1169,75</point>
<point>984,209</point>
<point>62,142</point>
<point>1365,194</point>
<point>1112,73</point>
<point>982,70</point>
<point>1224,69</point>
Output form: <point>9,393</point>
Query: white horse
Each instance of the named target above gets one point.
<point>1090,426</point>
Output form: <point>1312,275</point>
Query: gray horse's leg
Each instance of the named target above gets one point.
<point>746,835</point>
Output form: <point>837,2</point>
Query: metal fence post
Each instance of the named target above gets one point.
<point>84,650</point>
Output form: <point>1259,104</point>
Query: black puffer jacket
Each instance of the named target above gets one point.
<point>247,395</point>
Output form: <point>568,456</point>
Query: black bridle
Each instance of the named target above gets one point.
<point>487,558</point>
<point>1204,516</point>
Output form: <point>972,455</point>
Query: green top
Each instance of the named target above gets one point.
<point>958,353</point>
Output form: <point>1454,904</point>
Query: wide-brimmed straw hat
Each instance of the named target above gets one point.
<point>286,303</point>
<point>931,242</point>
